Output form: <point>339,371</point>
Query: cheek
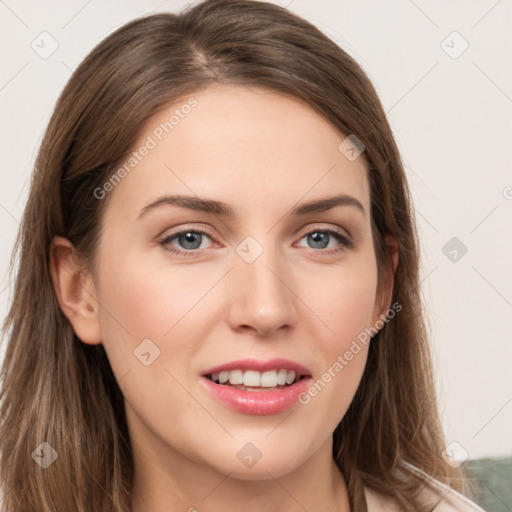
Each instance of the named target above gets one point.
<point>137,304</point>
<point>343,297</point>
<point>346,307</point>
<point>150,335</point>
<point>154,318</point>
<point>146,298</point>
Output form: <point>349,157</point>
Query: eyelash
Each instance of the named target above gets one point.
<point>346,242</point>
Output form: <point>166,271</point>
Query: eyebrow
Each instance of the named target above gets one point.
<point>219,208</point>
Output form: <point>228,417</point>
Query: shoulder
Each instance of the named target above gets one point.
<point>435,496</point>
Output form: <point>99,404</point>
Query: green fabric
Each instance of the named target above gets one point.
<point>491,483</point>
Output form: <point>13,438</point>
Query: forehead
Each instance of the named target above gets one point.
<point>245,146</point>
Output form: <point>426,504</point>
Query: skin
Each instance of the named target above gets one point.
<point>262,153</point>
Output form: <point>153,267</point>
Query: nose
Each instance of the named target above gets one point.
<point>260,295</point>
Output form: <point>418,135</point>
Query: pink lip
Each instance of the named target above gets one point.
<point>256,402</point>
<point>260,366</point>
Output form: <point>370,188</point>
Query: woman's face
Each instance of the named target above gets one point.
<point>267,279</point>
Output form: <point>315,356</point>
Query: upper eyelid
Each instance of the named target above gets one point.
<point>319,227</point>
<point>303,232</point>
<point>180,231</point>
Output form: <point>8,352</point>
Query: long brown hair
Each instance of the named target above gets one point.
<point>58,390</point>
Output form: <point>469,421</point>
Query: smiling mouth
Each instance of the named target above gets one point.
<point>270,384</point>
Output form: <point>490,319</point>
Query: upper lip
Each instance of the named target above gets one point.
<point>260,366</point>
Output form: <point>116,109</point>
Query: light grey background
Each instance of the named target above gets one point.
<point>452,120</point>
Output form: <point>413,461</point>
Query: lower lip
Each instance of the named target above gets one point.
<point>256,402</point>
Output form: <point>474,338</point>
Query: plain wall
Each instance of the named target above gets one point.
<point>453,124</point>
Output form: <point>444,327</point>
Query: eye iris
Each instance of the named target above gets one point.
<point>190,238</point>
<point>316,238</point>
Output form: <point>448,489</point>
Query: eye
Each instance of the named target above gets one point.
<point>186,241</point>
<point>320,239</point>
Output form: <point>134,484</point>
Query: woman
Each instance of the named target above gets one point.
<point>217,301</point>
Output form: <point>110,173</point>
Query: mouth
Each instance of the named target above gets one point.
<point>257,388</point>
<point>253,380</point>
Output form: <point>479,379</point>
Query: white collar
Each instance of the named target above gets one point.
<point>434,493</point>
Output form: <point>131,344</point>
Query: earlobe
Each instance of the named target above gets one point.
<point>75,291</point>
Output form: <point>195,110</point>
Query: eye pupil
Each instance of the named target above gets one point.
<point>319,238</point>
<point>190,238</point>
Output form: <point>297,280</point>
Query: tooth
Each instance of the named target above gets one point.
<point>268,379</point>
<point>281,377</point>
<point>252,378</point>
<point>255,379</point>
<point>236,377</point>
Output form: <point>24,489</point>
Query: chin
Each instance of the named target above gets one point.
<point>266,468</point>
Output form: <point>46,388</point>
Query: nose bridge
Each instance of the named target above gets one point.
<point>261,297</point>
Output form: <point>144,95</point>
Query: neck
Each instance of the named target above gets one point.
<point>165,479</point>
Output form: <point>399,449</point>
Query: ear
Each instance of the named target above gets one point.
<point>75,291</point>
<point>385,288</point>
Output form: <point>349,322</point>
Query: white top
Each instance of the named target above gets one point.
<point>434,493</point>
